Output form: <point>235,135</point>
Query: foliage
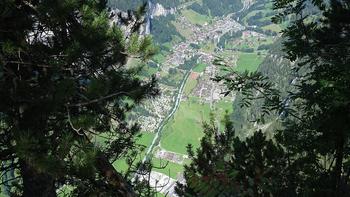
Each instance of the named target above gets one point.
<point>189,63</point>
<point>163,30</point>
<point>257,20</point>
<point>260,30</point>
<point>311,148</point>
<point>228,36</point>
<point>223,7</point>
<point>245,117</point>
<point>125,5</point>
<point>264,47</point>
<point>199,9</point>
<point>64,82</point>
<point>224,165</point>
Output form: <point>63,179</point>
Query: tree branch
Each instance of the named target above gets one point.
<point>97,100</point>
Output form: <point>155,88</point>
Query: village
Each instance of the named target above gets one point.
<point>207,89</point>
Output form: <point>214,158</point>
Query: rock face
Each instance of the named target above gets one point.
<point>155,10</point>
<point>159,10</point>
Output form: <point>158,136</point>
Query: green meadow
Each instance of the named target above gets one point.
<point>185,127</point>
<point>190,85</point>
<point>195,18</point>
<point>248,62</point>
<point>200,67</point>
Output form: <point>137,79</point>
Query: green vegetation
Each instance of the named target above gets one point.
<point>170,169</point>
<point>200,67</point>
<point>71,82</point>
<point>172,79</point>
<point>158,194</point>
<point>71,68</point>
<point>272,27</point>
<point>248,62</point>
<point>222,7</point>
<point>145,140</point>
<point>190,85</point>
<point>186,126</point>
<point>223,106</point>
<point>164,29</point>
<point>185,32</point>
<point>208,47</point>
<point>195,18</point>
<point>159,58</point>
<point>250,14</point>
<point>167,45</point>
<point>148,70</point>
<point>304,102</point>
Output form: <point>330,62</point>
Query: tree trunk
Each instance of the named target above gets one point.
<point>339,162</point>
<point>107,170</point>
<point>36,183</point>
<point>113,177</point>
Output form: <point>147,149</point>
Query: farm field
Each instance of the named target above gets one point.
<point>248,62</point>
<point>200,67</point>
<point>186,126</point>
<point>190,84</point>
<point>195,18</point>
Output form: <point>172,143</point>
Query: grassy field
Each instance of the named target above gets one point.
<point>159,58</point>
<point>273,27</point>
<point>158,194</point>
<point>185,32</point>
<point>195,18</point>
<point>146,140</point>
<point>200,67</point>
<point>248,62</point>
<point>208,47</point>
<point>186,126</point>
<point>190,85</point>
<point>221,108</point>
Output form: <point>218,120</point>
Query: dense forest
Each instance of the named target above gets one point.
<point>71,79</point>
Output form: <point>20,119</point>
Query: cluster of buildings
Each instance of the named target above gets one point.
<point>206,88</point>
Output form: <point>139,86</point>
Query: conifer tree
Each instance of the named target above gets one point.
<point>225,165</point>
<point>63,81</point>
<point>313,142</point>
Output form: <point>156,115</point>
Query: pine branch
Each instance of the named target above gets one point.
<point>97,100</point>
<point>71,124</point>
<point>9,180</point>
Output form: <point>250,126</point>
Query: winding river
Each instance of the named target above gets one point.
<point>159,130</point>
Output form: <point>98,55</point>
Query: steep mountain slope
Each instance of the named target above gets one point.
<point>248,119</point>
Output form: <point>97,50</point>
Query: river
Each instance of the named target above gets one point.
<point>159,130</point>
